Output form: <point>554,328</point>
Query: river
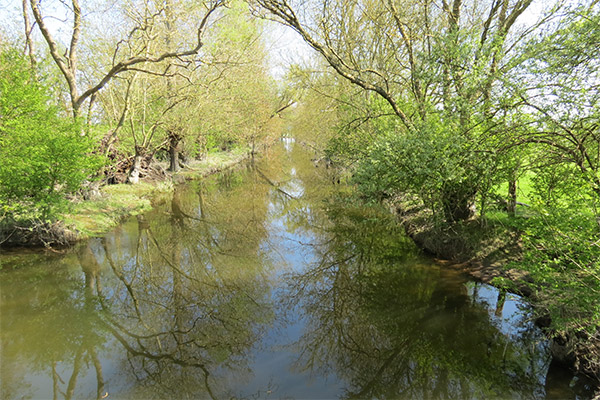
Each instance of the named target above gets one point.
<point>267,281</point>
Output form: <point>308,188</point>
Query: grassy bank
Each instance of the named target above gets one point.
<point>106,209</point>
<point>481,249</point>
<point>95,217</point>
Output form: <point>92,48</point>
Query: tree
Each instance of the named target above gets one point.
<point>68,64</point>
<point>557,128</point>
<point>244,100</point>
<point>437,69</point>
<point>563,100</point>
<point>43,157</point>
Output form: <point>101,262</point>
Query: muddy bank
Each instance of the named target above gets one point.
<point>482,253</point>
<point>109,206</point>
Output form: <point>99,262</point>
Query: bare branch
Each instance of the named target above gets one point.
<point>282,10</point>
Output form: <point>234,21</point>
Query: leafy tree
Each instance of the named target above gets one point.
<point>43,156</point>
<point>244,102</point>
<point>563,99</point>
<point>436,68</point>
<point>560,115</point>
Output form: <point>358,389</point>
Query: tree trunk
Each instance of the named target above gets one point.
<point>136,167</point>
<point>512,196</point>
<point>29,49</point>
<point>174,140</point>
<point>458,204</point>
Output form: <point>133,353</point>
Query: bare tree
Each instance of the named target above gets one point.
<point>29,47</point>
<point>68,62</point>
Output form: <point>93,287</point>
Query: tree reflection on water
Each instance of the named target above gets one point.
<point>195,295</point>
<point>395,327</point>
<point>190,299</point>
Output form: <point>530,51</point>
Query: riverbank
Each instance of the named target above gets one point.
<point>107,207</point>
<point>483,251</point>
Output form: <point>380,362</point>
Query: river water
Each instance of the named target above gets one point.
<point>268,281</point>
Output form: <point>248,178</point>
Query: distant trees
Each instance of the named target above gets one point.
<point>182,105</point>
<point>243,102</point>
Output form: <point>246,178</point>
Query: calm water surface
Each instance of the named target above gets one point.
<point>265,282</point>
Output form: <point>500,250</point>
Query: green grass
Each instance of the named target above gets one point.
<point>91,218</point>
<point>94,217</point>
<point>525,190</point>
<point>213,162</point>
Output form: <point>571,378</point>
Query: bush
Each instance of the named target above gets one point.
<point>43,155</point>
<point>442,168</point>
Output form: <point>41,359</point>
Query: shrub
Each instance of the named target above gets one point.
<point>443,169</point>
<point>43,155</point>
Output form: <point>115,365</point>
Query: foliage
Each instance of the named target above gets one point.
<point>241,107</point>
<point>563,101</point>
<point>360,123</point>
<point>477,102</point>
<point>442,169</point>
<point>562,254</point>
<point>43,155</point>
<point>219,99</point>
<point>561,235</point>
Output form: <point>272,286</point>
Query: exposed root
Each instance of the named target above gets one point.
<point>37,234</point>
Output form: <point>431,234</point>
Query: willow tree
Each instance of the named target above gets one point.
<point>152,103</point>
<point>243,103</point>
<point>436,66</point>
<point>66,55</point>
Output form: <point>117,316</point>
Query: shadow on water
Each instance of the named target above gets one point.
<point>264,282</point>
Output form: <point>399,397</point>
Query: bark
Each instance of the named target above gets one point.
<point>174,140</point>
<point>29,49</point>
<point>136,166</point>
<point>67,64</point>
<point>174,137</point>
<point>512,196</point>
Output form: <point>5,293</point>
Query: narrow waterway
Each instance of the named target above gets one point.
<point>268,281</point>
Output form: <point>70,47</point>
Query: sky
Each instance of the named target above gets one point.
<point>284,45</point>
<point>285,48</point>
